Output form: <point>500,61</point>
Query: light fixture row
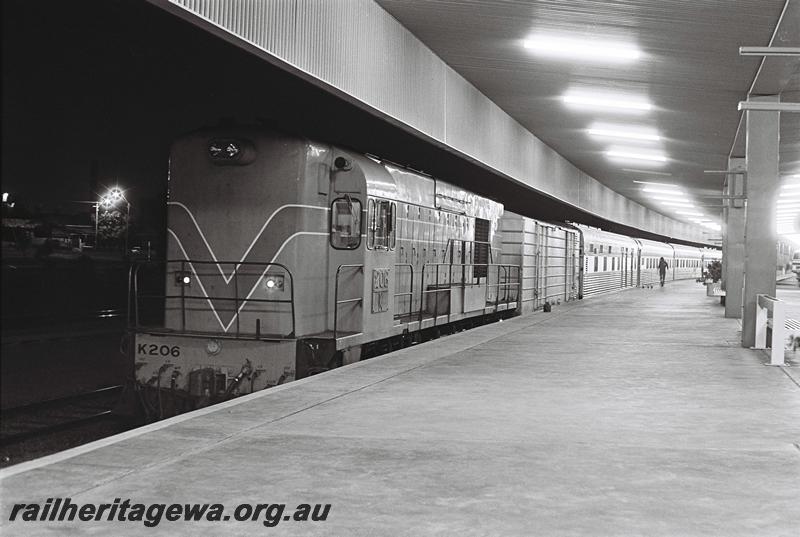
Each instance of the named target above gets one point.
<point>629,142</point>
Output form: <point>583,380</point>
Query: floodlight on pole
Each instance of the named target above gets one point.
<point>112,197</point>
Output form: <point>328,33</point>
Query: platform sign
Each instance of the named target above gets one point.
<point>380,290</point>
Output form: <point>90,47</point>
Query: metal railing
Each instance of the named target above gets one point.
<point>186,267</point>
<point>337,302</point>
<point>410,292</point>
<point>504,283</point>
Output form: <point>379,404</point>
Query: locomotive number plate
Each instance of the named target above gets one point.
<point>151,349</point>
<point>380,290</point>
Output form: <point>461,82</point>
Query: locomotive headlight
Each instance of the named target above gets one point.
<point>213,347</point>
<point>274,282</point>
<point>231,151</point>
<point>224,149</point>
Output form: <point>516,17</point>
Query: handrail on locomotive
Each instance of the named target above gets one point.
<point>135,296</point>
<point>449,285</point>
<point>337,302</point>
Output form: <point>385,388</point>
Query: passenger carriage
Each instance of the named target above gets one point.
<point>687,262</point>
<point>609,261</point>
<point>650,253</point>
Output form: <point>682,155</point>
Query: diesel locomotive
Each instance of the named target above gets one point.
<point>287,257</point>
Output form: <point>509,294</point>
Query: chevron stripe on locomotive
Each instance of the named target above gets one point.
<point>287,257</point>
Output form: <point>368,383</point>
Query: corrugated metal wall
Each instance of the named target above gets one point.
<point>548,257</point>
<point>359,49</point>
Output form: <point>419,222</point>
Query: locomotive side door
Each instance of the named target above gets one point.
<point>346,279</point>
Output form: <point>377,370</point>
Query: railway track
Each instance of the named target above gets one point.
<point>44,418</point>
<point>32,322</point>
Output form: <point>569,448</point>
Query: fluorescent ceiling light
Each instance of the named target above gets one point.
<point>689,213</point>
<point>787,195</point>
<point>679,198</point>
<point>617,102</point>
<point>790,186</point>
<point>665,185</point>
<point>635,155</point>
<point>647,172</point>
<point>583,48</point>
<point>623,132</point>
<point>679,204</point>
<point>663,191</point>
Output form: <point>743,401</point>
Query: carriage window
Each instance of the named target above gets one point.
<point>381,234</point>
<point>392,226</point>
<point>345,223</point>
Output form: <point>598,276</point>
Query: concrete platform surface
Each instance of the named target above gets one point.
<point>632,414</point>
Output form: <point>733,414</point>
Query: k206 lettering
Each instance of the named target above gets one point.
<point>151,349</point>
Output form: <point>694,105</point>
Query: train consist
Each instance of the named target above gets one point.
<point>287,257</point>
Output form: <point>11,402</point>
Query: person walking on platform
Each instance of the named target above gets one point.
<point>662,270</point>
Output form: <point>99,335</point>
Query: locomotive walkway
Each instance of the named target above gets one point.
<point>632,414</point>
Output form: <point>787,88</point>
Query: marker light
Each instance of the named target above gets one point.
<point>274,282</point>
<point>583,49</point>
<point>625,154</point>
<point>620,103</point>
<point>183,278</point>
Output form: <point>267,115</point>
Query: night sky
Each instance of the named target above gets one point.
<point>95,90</point>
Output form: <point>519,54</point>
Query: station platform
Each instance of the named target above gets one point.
<point>635,414</point>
